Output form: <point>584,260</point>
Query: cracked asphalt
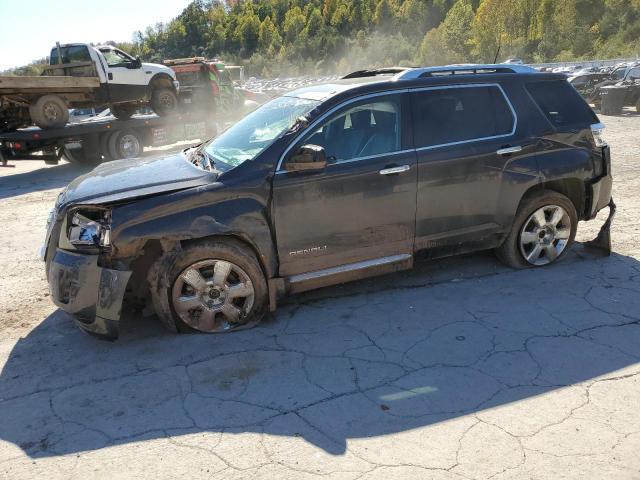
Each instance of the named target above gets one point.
<point>458,369</point>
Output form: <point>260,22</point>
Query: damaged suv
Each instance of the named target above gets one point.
<point>328,184</point>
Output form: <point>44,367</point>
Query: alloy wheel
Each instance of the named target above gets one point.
<point>213,295</point>
<point>545,235</point>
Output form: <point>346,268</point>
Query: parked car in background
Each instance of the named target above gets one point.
<point>588,83</point>
<point>82,114</point>
<point>83,76</point>
<point>332,183</point>
<point>622,85</point>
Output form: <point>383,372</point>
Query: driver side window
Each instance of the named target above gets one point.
<point>115,58</point>
<point>360,131</point>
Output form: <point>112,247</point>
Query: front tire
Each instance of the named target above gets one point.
<point>164,101</point>
<point>542,233</point>
<point>214,287</point>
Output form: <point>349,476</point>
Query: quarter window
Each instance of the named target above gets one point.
<point>561,103</point>
<point>364,130</point>
<point>459,114</point>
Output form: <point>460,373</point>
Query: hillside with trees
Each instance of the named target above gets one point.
<point>273,37</point>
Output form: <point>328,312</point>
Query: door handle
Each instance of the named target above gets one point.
<point>395,170</point>
<point>508,150</point>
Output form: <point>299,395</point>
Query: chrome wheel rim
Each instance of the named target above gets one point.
<point>129,146</point>
<point>545,235</point>
<point>213,295</point>
<point>51,112</point>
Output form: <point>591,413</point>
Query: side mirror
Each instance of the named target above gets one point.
<point>137,63</point>
<point>307,158</point>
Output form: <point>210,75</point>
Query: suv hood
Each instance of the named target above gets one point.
<point>126,179</point>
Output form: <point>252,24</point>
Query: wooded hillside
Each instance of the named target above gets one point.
<point>276,37</point>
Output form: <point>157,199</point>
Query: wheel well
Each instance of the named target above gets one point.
<point>572,188</point>
<point>153,250</point>
<point>231,238</point>
<point>160,80</point>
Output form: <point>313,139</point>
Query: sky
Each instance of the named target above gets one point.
<point>29,28</point>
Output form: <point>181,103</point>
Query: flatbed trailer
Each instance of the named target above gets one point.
<point>98,140</point>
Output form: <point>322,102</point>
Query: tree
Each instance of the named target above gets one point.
<point>269,37</point>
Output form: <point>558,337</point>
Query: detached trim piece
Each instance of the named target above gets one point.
<point>347,273</point>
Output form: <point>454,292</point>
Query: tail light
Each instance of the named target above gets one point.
<point>597,130</point>
<point>601,159</point>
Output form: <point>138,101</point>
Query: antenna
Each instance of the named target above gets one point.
<point>495,59</point>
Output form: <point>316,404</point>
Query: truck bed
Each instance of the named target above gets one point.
<point>46,84</point>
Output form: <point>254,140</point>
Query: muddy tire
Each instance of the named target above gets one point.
<point>87,153</point>
<point>49,111</point>
<point>122,111</point>
<point>124,144</point>
<point>164,101</point>
<point>542,233</point>
<point>213,286</point>
<point>79,156</point>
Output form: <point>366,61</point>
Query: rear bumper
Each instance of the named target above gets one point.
<point>92,294</point>
<point>600,189</point>
<point>600,195</point>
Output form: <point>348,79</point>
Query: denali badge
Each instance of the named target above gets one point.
<point>306,251</point>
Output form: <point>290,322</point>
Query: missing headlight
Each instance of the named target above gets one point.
<point>89,228</point>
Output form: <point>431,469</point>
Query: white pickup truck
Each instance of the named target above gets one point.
<point>80,76</point>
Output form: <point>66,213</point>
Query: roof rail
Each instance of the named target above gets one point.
<point>462,69</point>
<point>376,71</point>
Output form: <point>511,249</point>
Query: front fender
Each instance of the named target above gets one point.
<point>244,218</point>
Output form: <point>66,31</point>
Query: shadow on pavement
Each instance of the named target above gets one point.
<point>44,178</point>
<point>373,358</point>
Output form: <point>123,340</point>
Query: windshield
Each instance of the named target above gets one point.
<point>255,132</point>
<point>619,73</point>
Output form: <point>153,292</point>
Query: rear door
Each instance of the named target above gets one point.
<point>465,137</point>
<point>362,206</point>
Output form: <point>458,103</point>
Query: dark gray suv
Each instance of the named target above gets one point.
<point>328,184</point>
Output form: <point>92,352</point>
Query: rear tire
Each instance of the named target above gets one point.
<point>164,101</point>
<point>49,111</point>
<point>125,144</point>
<point>551,240</point>
<point>208,306</point>
<point>88,153</point>
<point>122,111</point>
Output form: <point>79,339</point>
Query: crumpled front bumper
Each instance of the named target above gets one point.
<point>92,294</point>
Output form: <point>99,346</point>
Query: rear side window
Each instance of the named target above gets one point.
<point>74,53</point>
<point>562,105</point>
<point>460,114</point>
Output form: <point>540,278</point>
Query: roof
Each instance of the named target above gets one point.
<point>387,75</point>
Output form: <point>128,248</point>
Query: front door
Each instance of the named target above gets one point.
<point>362,205</point>
<point>127,81</point>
